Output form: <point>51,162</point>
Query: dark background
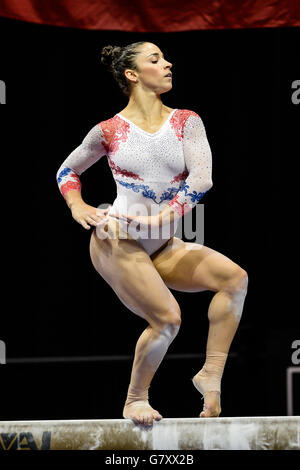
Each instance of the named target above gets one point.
<point>70,341</point>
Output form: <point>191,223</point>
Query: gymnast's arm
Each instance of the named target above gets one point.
<point>80,159</point>
<point>198,160</point>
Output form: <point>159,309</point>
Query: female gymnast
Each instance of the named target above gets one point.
<point>161,162</point>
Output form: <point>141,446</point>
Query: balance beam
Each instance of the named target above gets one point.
<point>244,433</point>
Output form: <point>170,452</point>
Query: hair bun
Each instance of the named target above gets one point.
<point>108,54</point>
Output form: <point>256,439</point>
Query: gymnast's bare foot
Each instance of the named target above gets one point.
<point>141,412</point>
<point>212,406</point>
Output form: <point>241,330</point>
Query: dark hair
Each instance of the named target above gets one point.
<point>117,59</point>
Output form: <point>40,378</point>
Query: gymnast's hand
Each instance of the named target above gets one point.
<point>143,221</point>
<point>85,214</point>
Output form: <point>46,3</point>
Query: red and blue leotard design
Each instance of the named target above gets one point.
<point>171,166</point>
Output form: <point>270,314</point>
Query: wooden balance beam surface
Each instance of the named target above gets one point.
<point>245,433</point>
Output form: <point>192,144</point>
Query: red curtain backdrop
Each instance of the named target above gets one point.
<point>155,15</point>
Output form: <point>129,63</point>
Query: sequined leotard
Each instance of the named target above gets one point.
<point>171,166</point>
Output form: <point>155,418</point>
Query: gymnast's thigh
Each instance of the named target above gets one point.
<point>191,267</point>
<point>128,269</point>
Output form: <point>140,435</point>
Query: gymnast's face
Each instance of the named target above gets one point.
<point>153,68</point>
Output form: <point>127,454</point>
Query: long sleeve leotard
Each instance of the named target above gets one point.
<point>171,166</point>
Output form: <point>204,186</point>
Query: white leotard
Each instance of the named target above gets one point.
<point>171,166</point>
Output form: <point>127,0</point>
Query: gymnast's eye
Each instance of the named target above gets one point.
<point>154,62</point>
